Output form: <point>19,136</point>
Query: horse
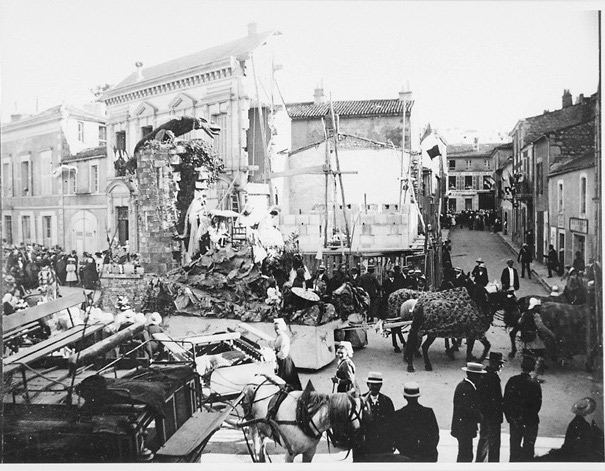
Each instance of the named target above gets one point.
<point>297,419</point>
<point>574,293</point>
<point>461,312</point>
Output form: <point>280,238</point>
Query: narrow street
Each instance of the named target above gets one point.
<point>562,387</point>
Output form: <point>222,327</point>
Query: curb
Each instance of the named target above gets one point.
<point>539,277</point>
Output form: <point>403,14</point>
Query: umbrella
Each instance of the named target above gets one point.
<point>305,294</point>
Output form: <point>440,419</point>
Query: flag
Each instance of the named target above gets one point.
<point>434,151</point>
<point>57,172</point>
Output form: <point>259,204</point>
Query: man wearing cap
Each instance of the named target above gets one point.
<point>525,258</point>
<point>370,285</point>
<point>522,403</point>
<point>414,429</point>
<point>479,273</point>
<point>510,277</point>
<point>583,440</point>
<point>490,397</point>
<point>378,411</point>
<point>467,413</point>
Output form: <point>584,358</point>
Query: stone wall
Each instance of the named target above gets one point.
<point>132,286</point>
<point>155,225</point>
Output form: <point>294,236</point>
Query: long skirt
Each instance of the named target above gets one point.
<point>71,273</point>
<point>287,371</point>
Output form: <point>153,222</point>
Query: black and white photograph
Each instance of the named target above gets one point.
<point>346,233</point>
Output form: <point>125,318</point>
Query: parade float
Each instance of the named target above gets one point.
<point>207,268</point>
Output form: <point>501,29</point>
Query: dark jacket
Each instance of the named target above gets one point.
<point>553,259</point>
<point>522,399</point>
<point>506,282</point>
<point>524,255</point>
<point>336,281</point>
<point>400,281</point>
<point>415,433</point>
<point>479,275</point>
<point>370,284</point>
<point>345,372</point>
<point>466,410</point>
<point>490,396</point>
<point>375,426</point>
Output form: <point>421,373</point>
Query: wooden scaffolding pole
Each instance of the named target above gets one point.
<point>342,190</point>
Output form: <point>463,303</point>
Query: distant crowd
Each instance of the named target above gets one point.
<point>475,220</point>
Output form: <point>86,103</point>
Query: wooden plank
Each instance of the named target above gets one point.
<point>178,351</point>
<point>193,433</point>
<point>35,313</point>
<point>213,338</point>
<point>52,344</point>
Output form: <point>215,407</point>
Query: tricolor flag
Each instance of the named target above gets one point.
<point>434,151</point>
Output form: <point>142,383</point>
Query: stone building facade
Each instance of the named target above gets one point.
<point>220,84</point>
<point>54,177</point>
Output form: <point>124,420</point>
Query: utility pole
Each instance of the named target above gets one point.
<point>342,190</point>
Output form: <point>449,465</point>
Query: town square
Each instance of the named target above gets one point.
<point>338,233</point>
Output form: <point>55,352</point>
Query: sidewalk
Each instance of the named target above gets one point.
<point>538,269</point>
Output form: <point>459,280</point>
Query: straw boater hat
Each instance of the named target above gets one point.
<point>533,302</point>
<point>474,368</point>
<point>554,291</point>
<point>347,347</point>
<point>374,377</point>
<point>584,406</point>
<point>479,260</point>
<point>411,389</point>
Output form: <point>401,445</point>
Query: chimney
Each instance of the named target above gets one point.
<point>567,100</point>
<point>139,66</point>
<point>580,99</point>
<point>252,29</point>
<point>405,96</point>
<point>318,96</point>
<point>476,144</point>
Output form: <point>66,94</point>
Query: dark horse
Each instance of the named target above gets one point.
<point>462,312</point>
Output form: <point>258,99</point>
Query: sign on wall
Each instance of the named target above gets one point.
<point>561,221</point>
<point>578,225</point>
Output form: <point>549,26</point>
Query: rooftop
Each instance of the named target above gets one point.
<point>240,49</point>
<point>565,165</point>
<point>471,150</point>
<point>350,108</point>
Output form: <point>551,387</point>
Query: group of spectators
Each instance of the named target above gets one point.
<point>36,269</point>
<point>477,220</point>
<point>479,409</point>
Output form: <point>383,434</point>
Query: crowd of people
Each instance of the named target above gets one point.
<point>475,220</point>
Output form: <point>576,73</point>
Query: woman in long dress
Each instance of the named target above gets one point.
<point>72,269</point>
<point>285,366</point>
<point>345,372</point>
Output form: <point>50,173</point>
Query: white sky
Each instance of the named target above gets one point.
<point>470,65</point>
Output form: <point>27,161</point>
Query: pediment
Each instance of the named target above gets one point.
<point>145,109</point>
<point>182,100</point>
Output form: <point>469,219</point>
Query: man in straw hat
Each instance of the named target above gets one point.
<point>490,396</point>
<point>414,428</point>
<point>522,403</point>
<point>375,437</point>
<point>479,273</point>
<point>467,412</point>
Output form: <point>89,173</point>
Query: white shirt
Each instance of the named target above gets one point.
<point>511,277</point>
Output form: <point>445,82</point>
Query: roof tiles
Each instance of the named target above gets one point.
<point>306,110</point>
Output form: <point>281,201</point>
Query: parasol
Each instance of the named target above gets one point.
<point>305,294</point>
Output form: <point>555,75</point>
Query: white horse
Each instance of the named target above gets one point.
<point>271,412</point>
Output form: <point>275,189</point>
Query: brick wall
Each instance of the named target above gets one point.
<point>132,286</point>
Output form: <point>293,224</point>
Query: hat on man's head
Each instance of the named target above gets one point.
<point>411,389</point>
<point>474,368</point>
<point>496,357</point>
<point>554,290</point>
<point>528,363</point>
<point>418,271</point>
<point>584,406</point>
<point>479,260</point>
<point>374,377</point>
<point>322,267</point>
<point>524,245</point>
<point>371,266</point>
<point>510,260</point>
<point>533,302</point>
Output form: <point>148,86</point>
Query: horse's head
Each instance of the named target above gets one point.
<point>345,413</point>
<point>507,302</point>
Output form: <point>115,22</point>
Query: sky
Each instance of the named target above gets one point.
<point>470,65</point>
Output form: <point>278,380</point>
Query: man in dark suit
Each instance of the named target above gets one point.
<point>522,402</point>
<point>510,277</point>
<point>379,409</point>
<point>414,428</point>
<point>490,396</point>
<point>467,413</point>
<point>479,273</point>
<point>525,257</point>
<point>370,284</point>
<point>400,278</point>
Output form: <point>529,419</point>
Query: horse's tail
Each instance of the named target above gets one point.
<point>417,321</point>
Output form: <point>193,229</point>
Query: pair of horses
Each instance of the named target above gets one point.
<point>297,419</point>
